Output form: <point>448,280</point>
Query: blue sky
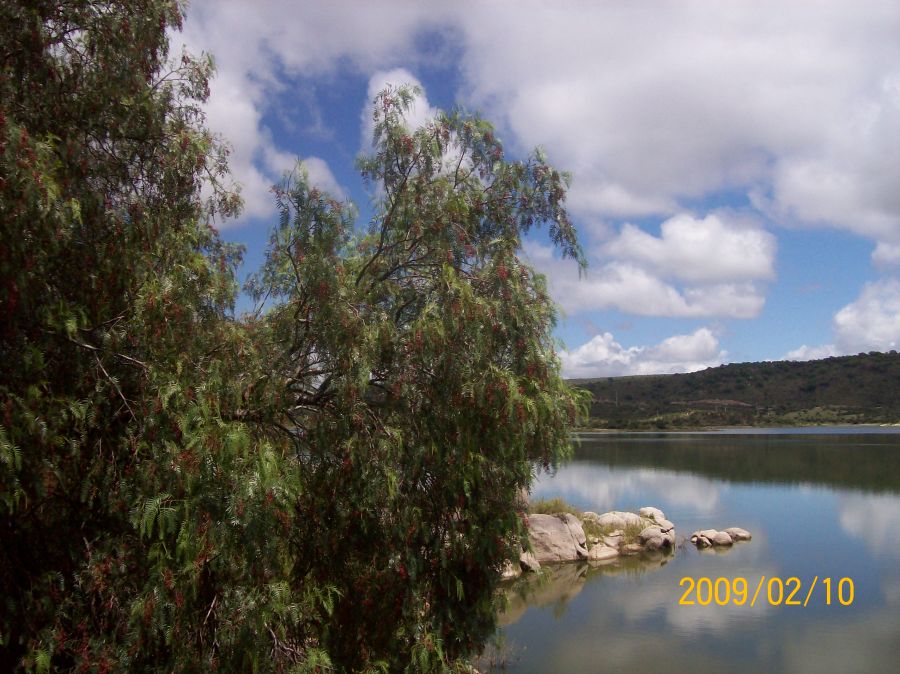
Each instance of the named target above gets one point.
<point>736,165</point>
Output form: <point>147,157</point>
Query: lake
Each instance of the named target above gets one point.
<point>820,503</point>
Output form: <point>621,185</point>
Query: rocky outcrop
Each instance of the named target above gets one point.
<point>557,538</point>
<point>707,538</point>
<point>561,538</point>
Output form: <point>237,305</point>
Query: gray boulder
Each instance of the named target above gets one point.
<point>528,562</point>
<point>575,527</point>
<point>711,537</point>
<point>738,534</point>
<point>599,553</point>
<point>654,538</point>
<point>614,540</point>
<point>665,525</point>
<point>649,533</point>
<point>652,513</point>
<point>618,519</point>
<point>557,538</point>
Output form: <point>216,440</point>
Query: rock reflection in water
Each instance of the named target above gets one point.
<point>557,584</point>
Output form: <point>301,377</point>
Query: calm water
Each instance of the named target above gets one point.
<point>818,504</point>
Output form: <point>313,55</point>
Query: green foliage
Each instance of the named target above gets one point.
<point>414,370</point>
<point>330,485</point>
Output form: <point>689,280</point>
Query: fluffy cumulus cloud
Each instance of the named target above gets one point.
<point>603,356</point>
<point>705,250</point>
<point>655,108</point>
<point>262,49</point>
<point>630,286</point>
<point>869,323</point>
<point>872,321</point>
<point>646,105</point>
<point>793,103</point>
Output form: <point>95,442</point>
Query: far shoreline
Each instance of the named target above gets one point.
<point>807,429</point>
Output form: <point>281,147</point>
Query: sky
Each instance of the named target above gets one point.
<point>736,165</point>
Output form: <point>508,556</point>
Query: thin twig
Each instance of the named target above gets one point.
<point>116,385</point>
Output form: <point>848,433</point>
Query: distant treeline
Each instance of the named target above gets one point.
<point>842,390</point>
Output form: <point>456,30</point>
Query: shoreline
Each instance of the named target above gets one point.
<point>804,429</point>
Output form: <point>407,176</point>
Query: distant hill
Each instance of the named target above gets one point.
<point>842,390</point>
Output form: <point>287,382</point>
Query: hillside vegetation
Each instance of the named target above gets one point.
<point>842,390</point>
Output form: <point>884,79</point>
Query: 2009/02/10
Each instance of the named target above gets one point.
<point>737,591</point>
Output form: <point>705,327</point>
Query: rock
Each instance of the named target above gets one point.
<point>528,562</point>
<point>632,549</point>
<point>610,520</point>
<point>652,544</point>
<point>557,538</point>
<point>710,537</point>
<point>600,553</point>
<point>652,513</point>
<point>654,538</point>
<point>619,519</point>
<point>665,524</point>
<point>650,533</point>
<point>632,519</point>
<point>590,516</point>
<point>577,530</point>
<point>738,534</point>
<point>614,540</point>
<point>510,571</point>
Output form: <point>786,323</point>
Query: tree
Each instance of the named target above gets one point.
<point>415,374</point>
<point>331,483</point>
<point>113,288</point>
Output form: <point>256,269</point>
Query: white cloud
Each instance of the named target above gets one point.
<point>318,174</point>
<point>631,288</point>
<point>869,323</point>
<point>849,180</point>
<point>603,356</point>
<point>649,108</point>
<point>872,321</point>
<point>794,104</point>
<point>260,48</point>
<point>886,253</point>
<point>812,352</point>
<point>716,248</point>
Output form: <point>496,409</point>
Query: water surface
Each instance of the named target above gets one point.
<point>818,504</point>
